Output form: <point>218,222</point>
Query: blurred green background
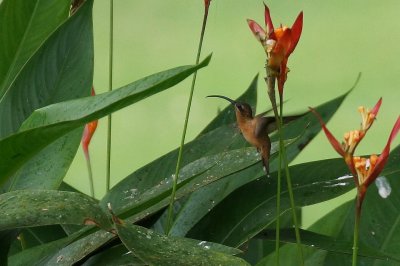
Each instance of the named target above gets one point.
<point>340,39</point>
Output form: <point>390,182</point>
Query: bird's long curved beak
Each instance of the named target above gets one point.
<point>223,97</point>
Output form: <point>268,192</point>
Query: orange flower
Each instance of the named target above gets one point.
<point>88,132</point>
<point>364,170</point>
<point>278,43</point>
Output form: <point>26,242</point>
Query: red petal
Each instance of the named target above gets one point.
<point>376,107</point>
<point>283,43</point>
<point>296,32</point>
<point>88,132</point>
<point>257,30</point>
<point>268,20</point>
<point>282,77</point>
<point>335,144</point>
<point>380,164</point>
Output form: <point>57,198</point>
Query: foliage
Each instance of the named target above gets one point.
<point>224,200</point>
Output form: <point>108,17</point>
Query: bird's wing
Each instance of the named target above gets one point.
<point>264,126</point>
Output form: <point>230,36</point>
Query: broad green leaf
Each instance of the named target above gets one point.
<point>33,256</point>
<point>73,251</point>
<point>76,251</point>
<point>49,123</point>
<point>234,221</point>
<point>156,249</point>
<point>137,205</point>
<point>327,243</point>
<point>117,255</point>
<point>30,208</point>
<point>24,26</point>
<point>60,70</point>
<point>227,115</point>
<point>202,201</point>
<point>137,202</point>
<point>47,169</point>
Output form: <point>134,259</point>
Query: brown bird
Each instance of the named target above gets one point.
<point>255,129</point>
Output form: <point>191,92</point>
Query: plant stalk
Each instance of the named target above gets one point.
<point>270,80</point>
<point>90,174</point>
<point>179,160</point>
<point>359,201</point>
<point>289,183</point>
<point>110,83</point>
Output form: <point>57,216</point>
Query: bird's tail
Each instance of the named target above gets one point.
<point>265,153</point>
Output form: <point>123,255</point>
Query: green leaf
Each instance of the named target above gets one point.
<point>232,222</point>
<point>156,249</point>
<point>24,26</point>
<point>139,202</point>
<point>117,255</point>
<point>202,201</point>
<point>51,122</point>
<point>327,243</point>
<point>76,251</point>
<point>71,249</point>
<point>61,69</point>
<point>47,169</point>
<point>29,208</point>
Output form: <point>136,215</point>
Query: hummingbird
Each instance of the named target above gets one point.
<point>254,129</point>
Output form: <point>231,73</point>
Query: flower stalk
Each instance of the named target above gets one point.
<point>279,43</point>
<point>179,160</point>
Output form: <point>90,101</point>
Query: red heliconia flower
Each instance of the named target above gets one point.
<point>364,170</point>
<point>278,43</point>
<point>88,132</point>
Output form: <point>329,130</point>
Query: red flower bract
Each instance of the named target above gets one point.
<point>88,132</point>
<point>278,43</point>
<point>364,170</point>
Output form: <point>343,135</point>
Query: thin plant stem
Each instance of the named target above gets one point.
<point>90,174</point>
<point>110,83</point>
<point>270,80</point>
<point>179,160</point>
<point>359,201</point>
<point>289,182</point>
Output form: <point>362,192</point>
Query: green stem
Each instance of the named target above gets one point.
<point>110,82</point>
<point>90,173</point>
<point>289,182</point>
<point>359,200</point>
<point>179,160</point>
<point>271,93</point>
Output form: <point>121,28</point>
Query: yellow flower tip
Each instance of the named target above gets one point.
<point>373,159</point>
<point>361,109</point>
